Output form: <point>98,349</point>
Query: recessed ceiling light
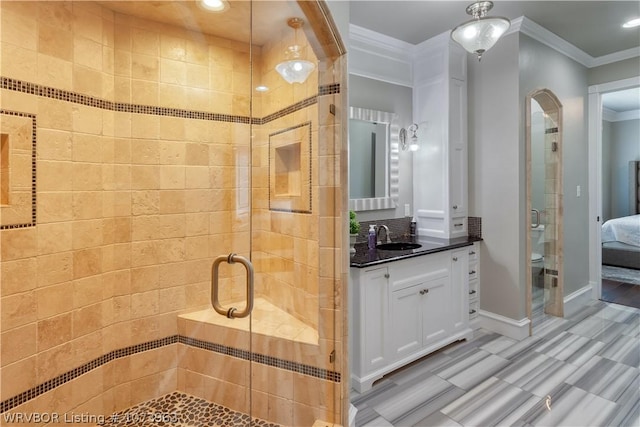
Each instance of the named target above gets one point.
<point>214,5</point>
<point>631,24</point>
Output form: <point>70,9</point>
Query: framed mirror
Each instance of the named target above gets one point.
<point>373,159</point>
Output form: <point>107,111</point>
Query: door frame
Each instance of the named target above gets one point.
<point>595,176</point>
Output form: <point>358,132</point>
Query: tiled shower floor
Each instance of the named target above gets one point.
<point>181,410</point>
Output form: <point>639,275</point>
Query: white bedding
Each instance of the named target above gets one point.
<point>625,230</point>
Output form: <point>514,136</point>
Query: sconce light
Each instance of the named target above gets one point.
<point>413,144</point>
<point>295,69</point>
<point>481,33</point>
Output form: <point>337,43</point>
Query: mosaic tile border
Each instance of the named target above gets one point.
<point>90,101</point>
<point>33,169</point>
<point>53,383</point>
<point>475,226</point>
<point>303,211</point>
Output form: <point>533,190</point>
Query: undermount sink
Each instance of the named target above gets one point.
<point>398,246</point>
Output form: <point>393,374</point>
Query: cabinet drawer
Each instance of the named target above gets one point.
<point>473,270</point>
<point>459,224</point>
<point>473,310</point>
<point>473,253</point>
<point>473,290</point>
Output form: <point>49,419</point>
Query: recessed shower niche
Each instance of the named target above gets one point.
<point>290,169</point>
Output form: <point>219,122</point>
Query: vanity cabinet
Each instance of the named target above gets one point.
<point>405,309</point>
<point>440,166</point>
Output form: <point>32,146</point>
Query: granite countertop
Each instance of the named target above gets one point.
<point>365,257</point>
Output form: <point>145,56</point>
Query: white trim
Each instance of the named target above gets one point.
<point>595,176</point>
<point>578,298</point>
<point>379,40</point>
<point>516,329</point>
<point>615,57</point>
<point>609,115</point>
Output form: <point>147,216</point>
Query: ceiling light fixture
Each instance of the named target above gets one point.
<point>481,33</point>
<point>214,5</point>
<point>295,69</point>
<point>632,23</point>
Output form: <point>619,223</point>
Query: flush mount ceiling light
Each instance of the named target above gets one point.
<point>214,5</point>
<point>632,23</point>
<point>295,69</point>
<point>482,32</point>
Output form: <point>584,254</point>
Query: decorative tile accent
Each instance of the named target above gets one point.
<point>290,169</point>
<point>77,98</point>
<point>21,213</point>
<point>398,227</point>
<point>475,226</point>
<point>181,410</point>
<point>34,392</point>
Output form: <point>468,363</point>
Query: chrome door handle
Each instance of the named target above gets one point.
<point>231,312</point>
<point>536,212</point>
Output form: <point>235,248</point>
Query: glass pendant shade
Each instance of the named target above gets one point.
<point>295,69</point>
<point>479,35</point>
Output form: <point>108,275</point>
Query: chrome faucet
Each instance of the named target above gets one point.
<point>387,232</point>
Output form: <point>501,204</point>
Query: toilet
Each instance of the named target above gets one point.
<point>537,256</point>
<point>537,244</point>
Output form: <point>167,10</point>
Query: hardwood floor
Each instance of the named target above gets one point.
<point>621,293</point>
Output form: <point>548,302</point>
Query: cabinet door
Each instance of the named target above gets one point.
<point>406,321</point>
<point>457,148</point>
<point>374,320</point>
<point>459,288</point>
<point>437,317</point>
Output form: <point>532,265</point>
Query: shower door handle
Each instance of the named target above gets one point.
<point>536,212</point>
<point>231,312</point>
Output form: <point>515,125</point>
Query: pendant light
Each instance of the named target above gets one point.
<point>295,69</point>
<point>482,32</point>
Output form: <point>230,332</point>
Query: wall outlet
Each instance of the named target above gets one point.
<point>407,209</point>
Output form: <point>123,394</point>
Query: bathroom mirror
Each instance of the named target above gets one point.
<point>373,159</point>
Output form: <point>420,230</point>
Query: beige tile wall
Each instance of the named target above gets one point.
<point>133,207</point>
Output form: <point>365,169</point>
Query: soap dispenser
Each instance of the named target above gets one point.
<point>371,239</point>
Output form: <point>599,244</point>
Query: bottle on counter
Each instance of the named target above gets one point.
<point>371,238</point>
<point>412,227</point>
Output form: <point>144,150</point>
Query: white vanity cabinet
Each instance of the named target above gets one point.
<point>440,166</point>
<point>405,309</point>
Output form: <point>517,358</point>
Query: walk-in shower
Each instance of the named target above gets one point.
<point>139,152</point>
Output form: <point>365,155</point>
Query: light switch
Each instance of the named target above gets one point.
<point>407,209</point>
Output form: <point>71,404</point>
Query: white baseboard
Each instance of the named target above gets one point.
<point>516,329</point>
<point>578,298</point>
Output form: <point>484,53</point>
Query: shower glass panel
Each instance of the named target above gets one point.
<point>544,249</point>
<point>163,138</point>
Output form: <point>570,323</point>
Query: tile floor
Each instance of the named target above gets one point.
<point>583,370</point>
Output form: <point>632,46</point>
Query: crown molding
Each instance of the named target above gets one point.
<point>378,40</point>
<point>614,116</point>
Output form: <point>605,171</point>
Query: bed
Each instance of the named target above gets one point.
<point>621,236</point>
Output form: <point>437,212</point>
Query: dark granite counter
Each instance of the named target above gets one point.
<point>365,257</point>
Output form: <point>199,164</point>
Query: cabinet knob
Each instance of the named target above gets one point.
<point>458,225</point>
<point>455,258</point>
<point>424,291</point>
<point>472,311</point>
<point>455,206</point>
<point>471,292</point>
<point>472,253</point>
<point>386,275</point>
<point>472,272</point>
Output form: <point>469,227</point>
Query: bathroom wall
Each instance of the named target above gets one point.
<point>142,178</point>
<point>378,95</point>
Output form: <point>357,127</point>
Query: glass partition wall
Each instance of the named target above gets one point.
<point>152,151</point>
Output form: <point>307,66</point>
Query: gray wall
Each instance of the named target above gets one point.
<point>381,96</point>
<point>498,86</point>
<point>543,67</point>
<point>496,175</point>
<point>625,146</point>
<point>616,71</point>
